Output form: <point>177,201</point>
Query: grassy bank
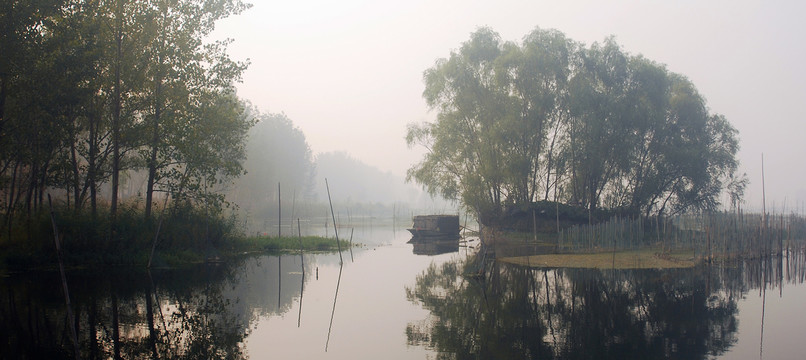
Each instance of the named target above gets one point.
<point>185,235</point>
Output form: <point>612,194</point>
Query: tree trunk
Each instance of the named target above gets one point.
<point>115,325</point>
<point>152,330</point>
<point>76,181</point>
<point>11,199</point>
<point>91,173</point>
<point>43,183</point>
<point>152,164</point>
<point>3,88</point>
<point>113,207</point>
<point>29,197</point>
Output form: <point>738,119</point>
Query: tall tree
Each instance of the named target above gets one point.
<point>465,143</point>
<point>84,85</point>
<point>535,75</point>
<point>611,129</point>
<point>25,70</point>
<point>181,70</point>
<point>599,122</point>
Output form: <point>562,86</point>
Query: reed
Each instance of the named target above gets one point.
<point>710,235</point>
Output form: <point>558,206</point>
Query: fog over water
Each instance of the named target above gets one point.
<point>349,73</point>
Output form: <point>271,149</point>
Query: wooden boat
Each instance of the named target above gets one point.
<point>435,227</point>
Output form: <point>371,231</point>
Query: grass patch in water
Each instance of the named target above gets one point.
<point>290,244</point>
<point>632,259</point>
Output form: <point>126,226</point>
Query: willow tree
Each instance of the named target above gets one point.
<point>535,75</point>
<point>642,139</point>
<point>465,143</point>
<point>599,122</point>
<point>594,125</point>
<point>497,103</point>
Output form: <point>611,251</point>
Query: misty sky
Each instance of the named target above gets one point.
<point>349,72</point>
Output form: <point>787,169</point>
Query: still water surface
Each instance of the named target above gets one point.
<point>391,300</point>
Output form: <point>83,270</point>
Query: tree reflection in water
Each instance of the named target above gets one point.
<point>199,313</point>
<point>513,312</point>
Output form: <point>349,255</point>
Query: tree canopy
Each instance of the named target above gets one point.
<point>91,90</point>
<point>553,119</point>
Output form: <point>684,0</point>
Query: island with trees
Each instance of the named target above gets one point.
<point>549,133</point>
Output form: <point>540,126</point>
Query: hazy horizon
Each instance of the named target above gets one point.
<point>349,74</point>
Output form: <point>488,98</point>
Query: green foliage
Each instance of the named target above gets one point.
<point>593,126</point>
<point>194,131</point>
<point>92,92</point>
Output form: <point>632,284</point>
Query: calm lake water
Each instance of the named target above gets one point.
<point>391,300</point>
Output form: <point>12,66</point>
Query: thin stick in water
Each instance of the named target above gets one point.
<point>302,283</point>
<point>70,318</point>
<point>333,312</point>
<point>335,227</point>
<point>279,212</point>
<point>351,244</point>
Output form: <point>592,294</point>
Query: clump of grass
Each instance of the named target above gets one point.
<point>288,244</point>
<point>188,235</point>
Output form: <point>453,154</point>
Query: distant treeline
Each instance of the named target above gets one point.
<point>283,176</point>
<point>553,119</point>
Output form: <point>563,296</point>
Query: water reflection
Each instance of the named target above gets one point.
<point>204,312</point>
<point>253,306</point>
<point>434,247</point>
<point>333,312</point>
<point>512,312</point>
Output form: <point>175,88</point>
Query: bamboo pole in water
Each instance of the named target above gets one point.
<point>279,212</point>
<point>333,312</point>
<point>335,227</point>
<point>763,200</point>
<point>302,265</point>
<point>293,209</point>
<point>351,244</point>
<point>70,319</point>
